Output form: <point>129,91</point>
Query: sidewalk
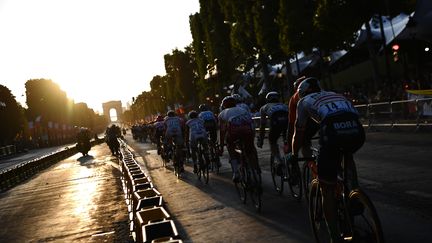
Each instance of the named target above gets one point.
<point>77,199</point>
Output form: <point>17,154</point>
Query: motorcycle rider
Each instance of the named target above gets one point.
<point>83,141</point>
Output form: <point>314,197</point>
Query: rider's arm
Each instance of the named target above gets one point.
<point>300,125</point>
<point>292,111</point>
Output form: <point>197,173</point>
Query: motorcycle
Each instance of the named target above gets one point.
<point>83,147</point>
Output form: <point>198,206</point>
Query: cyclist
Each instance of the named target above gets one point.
<point>236,124</point>
<point>277,113</point>
<point>210,123</point>
<point>174,130</point>
<point>340,133</point>
<point>158,127</point>
<point>195,132</point>
<point>311,126</point>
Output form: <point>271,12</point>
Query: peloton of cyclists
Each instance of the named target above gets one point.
<point>340,132</point>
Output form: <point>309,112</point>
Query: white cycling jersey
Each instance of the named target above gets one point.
<point>196,129</point>
<point>236,116</point>
<point>244,106</point>
<point>207,116</point>
<point>320,105</point>
<point>270,108</point>
<point>173,126</point>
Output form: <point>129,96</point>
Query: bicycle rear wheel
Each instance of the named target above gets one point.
<point>255,188</point>
<point>295,181</point>
<point>365,221</point>
<point>205,165</point>
<point>307,178</point>
<point>278,181</point>
<point>241,186</point>
<point>316,214</point>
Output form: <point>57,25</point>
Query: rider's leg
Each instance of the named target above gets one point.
<point>251,153</point>
<point>194,149</point>
<point>328,161</point>
<point>233,158</point>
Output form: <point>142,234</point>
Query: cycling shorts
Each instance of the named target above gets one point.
<point>339,134</point>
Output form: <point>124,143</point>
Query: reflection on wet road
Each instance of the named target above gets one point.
<point>78,199</point>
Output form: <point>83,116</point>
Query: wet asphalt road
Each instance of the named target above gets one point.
<point>79,199</point>
<point>394,169</point>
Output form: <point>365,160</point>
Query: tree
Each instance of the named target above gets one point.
<point>11,116</point>
<point>45,98</point>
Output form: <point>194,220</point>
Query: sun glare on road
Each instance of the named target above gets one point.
<point>86,191</point>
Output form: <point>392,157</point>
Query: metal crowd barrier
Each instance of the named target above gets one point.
<point>149,220</point>
<point>416,114</point>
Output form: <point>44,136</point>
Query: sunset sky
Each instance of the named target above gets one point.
<point>96,50</point>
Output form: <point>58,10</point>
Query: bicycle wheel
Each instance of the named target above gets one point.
<point>316,214</point>
<point>295,181</point>
<point>278,181</point>
<point>364,218</point>
<point>306,178</point>
<point>241,186</point>
<point>255,188</point>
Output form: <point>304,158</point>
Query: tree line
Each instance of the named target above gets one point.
<point>50,117</point>
<point>233,37</point>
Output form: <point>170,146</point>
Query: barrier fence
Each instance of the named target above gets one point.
<point>148,217</point>
<point>14,175</point>
<point>415,113</point>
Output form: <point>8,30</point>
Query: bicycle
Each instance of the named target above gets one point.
<point>214,157</point>
<point>250,179</point>
<point>203,162</point>
<point>289,174</point>
<point>166,152</point>
<point>310,171</point>
<point>357,218</point>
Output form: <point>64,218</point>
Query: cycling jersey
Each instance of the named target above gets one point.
<point>277,113</point>
<point>159,126</point>
<point>244,106</point>
<point>210,124</point>
<point>196,129</point>
<point>236,118</point>
<point>173,128</point>
<point>320,105</point>
<point>207,116</point>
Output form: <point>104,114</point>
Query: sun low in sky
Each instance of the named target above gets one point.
<point>96,50</point>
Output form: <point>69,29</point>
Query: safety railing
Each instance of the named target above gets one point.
<point>415,113</point>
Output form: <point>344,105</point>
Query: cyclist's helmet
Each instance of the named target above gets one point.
<point>238,98</point>
<point>309,86</point>
<point>298,82</point>
<point>171,113</point>
<point>159,118</point>
<point>272,97</point>
<point>193,114</point>
<point>228,102</point>
<point>203,107</point>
